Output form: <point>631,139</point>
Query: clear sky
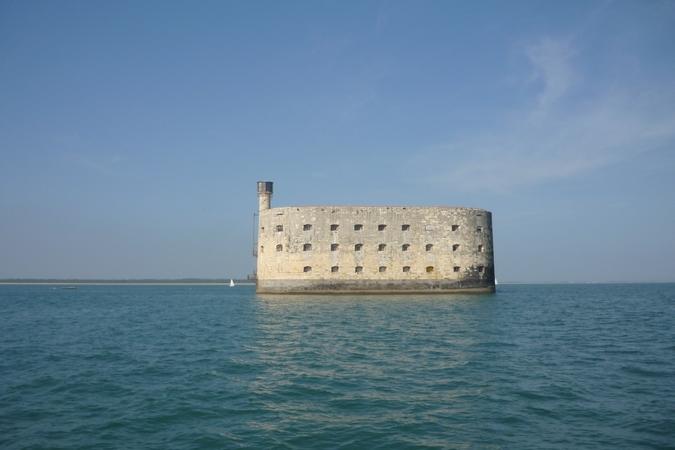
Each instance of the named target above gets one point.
<point>132,133</point>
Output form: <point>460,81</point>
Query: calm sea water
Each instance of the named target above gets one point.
<point>533,366</point>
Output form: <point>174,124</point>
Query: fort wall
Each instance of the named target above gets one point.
<point>335,249</point>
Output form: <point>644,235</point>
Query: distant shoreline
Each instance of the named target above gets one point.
<point>244,282</point>
<point>142,282</point>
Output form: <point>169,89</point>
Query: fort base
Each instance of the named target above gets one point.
<point>371,287</point>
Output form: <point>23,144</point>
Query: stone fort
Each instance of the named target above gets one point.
<point>372,249</point>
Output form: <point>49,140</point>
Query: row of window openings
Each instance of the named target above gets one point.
<point>380,247</point>
<point>382,269</point>
<point>359,227</point>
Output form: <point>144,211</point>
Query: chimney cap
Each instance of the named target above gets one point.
<point>265,187</point>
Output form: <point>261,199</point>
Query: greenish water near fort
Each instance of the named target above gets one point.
<point>187,367</point>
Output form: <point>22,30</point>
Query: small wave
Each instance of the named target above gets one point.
<point>635,370</point>
<point>495,344</point>
<point>532,395</point>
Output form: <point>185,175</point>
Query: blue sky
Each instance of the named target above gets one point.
<point>132,133</point>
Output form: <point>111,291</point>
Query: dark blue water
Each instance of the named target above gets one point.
<point>547,366</point>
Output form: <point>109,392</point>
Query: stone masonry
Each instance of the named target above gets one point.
<point>372,249</point>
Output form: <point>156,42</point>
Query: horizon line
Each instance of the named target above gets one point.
<point>197,280</point>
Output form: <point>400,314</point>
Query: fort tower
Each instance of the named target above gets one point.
<point>265,190</point>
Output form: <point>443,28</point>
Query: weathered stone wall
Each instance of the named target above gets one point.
<point>312,249</point>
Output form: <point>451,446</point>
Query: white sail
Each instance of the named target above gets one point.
<point>231,282</point>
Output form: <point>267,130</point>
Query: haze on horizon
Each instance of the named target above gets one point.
<point>132,133</point>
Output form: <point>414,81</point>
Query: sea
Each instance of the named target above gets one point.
<point>564,366</point>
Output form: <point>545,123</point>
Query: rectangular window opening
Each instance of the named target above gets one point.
<point>334,269</point>
<point>307,269</point>
<point>358,269</point>
<point>381,227</point>
<point>455,269</point>
<point>306,247</point>
<point>455,227</point>
<point>307,227</point>
<point>334,247</point>
<point>358,227</point>
<point>280,228</point>
<point>406,268</point>
<point>382,269</point>
<point>334,227</point>
<point>381,247</point>
<point>405,227</point>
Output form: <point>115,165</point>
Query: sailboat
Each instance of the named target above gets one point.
<point>231,282</point>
